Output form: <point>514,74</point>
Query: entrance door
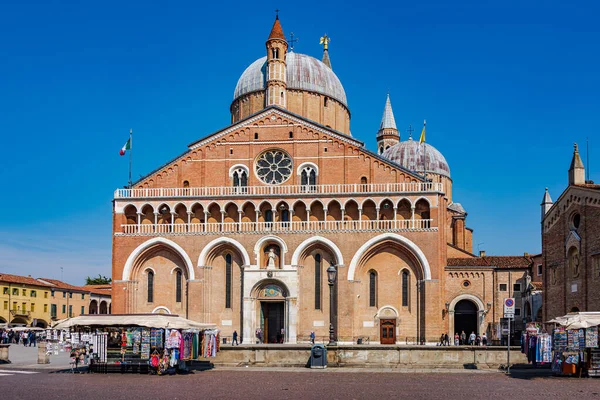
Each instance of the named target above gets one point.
<point>387,331</point>
<point>465,318</point>
<point>272,321</point>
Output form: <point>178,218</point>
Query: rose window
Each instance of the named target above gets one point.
<point>274,167</point>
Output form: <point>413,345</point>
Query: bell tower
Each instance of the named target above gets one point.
<point>276,86</point>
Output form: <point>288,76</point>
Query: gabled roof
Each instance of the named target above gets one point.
<point>24,280</point>
<point>299,119</point>
<point>502,262</point>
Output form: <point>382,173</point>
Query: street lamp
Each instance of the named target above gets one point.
<point>331,275</point>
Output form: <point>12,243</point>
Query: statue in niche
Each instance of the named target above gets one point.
<point>574,261</point>
<point>271,257</point>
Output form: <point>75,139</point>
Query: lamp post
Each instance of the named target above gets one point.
<point>331,275</point>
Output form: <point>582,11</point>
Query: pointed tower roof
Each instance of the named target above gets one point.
<point>326,59</point>
<point>388,121</point>
<point>576,161</point>
<point>277,30</point>
<point>547,199</point>
<point>576,170</point>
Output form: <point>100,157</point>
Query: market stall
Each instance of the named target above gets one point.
<point>575,345</point>
<point>155,343</point>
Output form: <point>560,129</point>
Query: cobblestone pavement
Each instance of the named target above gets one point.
<point>290,384</point>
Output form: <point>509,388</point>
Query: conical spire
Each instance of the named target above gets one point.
<point>277,30</point>
<point>325,42</point>
<point>546,203</point>
<point>576,171</point>
<point>388,134</point>
<point>326,59</point>
<point>388,121</point>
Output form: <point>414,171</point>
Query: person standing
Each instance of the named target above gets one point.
<point>446,340</point>
<point>472,337</point>
<point>484,339</point>
<point>463,338</point>
<point>235,339</point>
<point>312,337</point>
<point>456,339</point>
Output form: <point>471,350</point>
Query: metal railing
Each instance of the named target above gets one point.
<point>281,190</point>
<point>291,226</point>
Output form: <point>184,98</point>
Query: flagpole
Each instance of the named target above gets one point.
<point>130,154</point>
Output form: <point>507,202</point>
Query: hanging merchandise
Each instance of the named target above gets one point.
<point>591,337</point>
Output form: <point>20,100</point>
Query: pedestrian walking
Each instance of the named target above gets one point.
<point>235,341</point>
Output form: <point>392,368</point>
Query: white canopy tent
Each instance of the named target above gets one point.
<point>578,320</point>
<point>168,321</point>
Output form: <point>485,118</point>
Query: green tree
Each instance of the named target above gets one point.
<point>100,280</point>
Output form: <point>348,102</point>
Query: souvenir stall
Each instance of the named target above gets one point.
<point>155,343</point>
<point>536,343</point>
<point>575,345</point>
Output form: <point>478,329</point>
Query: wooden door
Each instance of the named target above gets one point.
<point>387,334</point>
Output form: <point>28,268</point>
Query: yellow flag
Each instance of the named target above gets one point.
<point>422,139</point>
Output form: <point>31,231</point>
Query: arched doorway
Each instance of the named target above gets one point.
<point>103,308</point>
<point>93,307</point>
<point>271,312</point>
<point>41,324</point>
<point>466,317</point>
<point>18,322</point>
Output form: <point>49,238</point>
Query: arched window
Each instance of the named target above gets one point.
<point>268,216</point>
<point>405,286</point>
<point>178,287</point>
<point>240,178</point>
<point>372,289</point>
<point>228,281</point>
<point>150,286</point>
<point>318,280</point>
<point>308,179</point>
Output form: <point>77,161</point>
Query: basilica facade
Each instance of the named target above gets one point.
<point>247,227</point>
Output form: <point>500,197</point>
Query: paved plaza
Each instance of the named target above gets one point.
<point>292,384</point>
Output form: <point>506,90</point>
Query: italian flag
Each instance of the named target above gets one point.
<point>126,146</point>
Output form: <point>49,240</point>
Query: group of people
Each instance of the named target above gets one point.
<point>26,338</point>
<point>463,340</point>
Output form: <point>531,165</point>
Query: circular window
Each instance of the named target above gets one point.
<point>466,284</point>
<point>273,167</point>
<point>576,221</point>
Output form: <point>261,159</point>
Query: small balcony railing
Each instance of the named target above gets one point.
<point>277,227</point>
<point>281,190</point>
<point>20,313</point>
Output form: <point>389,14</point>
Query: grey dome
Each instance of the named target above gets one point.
<point>405,154</point>
<point>303,73</point>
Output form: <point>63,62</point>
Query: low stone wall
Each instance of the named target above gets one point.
<point>370,356</point>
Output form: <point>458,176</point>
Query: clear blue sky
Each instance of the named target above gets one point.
<point>506,89</point>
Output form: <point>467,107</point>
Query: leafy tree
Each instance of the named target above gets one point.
<point>100,280</point>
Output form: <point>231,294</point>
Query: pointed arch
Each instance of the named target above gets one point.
<point>318,239</point>
<point>202,259</point>
<point>417,252</point>
<point>153,243</point>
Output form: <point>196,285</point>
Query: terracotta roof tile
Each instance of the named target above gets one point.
<point>491,261</point>
<point>277,31</point>
<point>27,280</point>
<point>63,285</point>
